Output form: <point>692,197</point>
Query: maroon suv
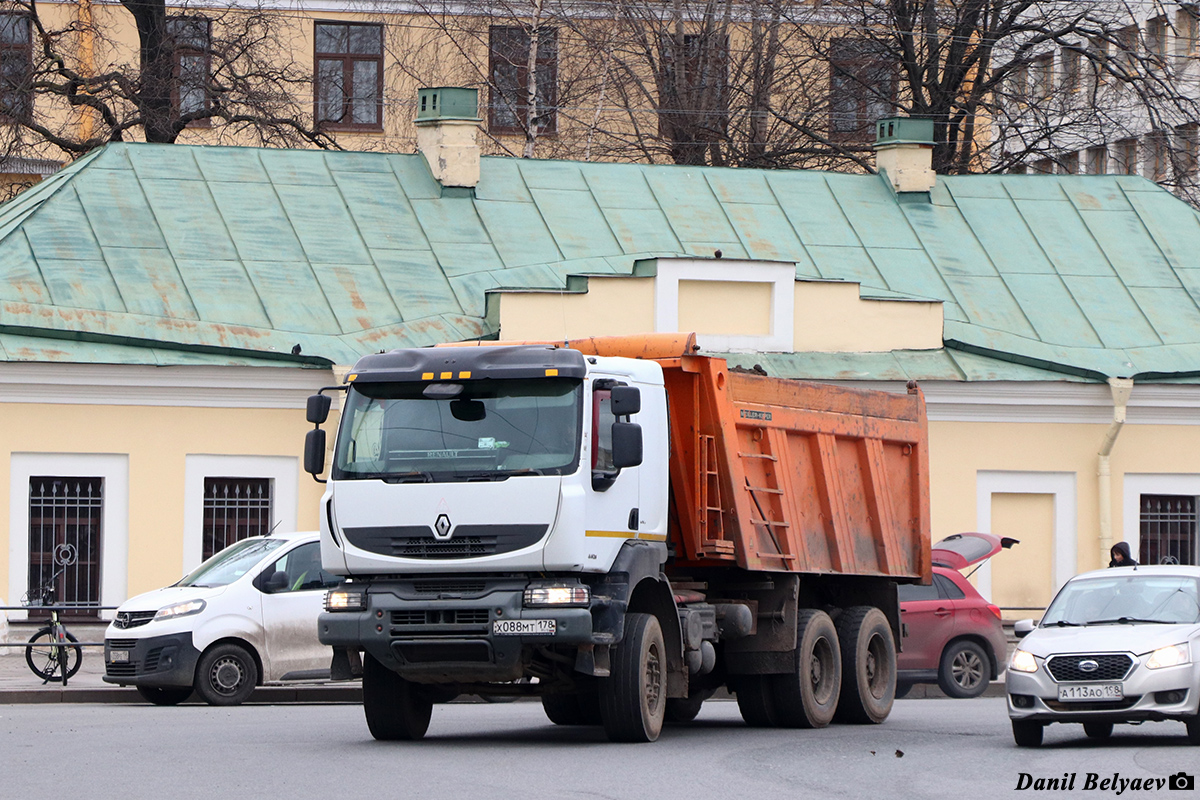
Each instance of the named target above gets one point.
<point>952,636</point>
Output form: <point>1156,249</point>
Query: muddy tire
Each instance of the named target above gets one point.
<point>396,709</point>
<point>226,675</point>
<point>808,697</point>
<point>868,666</point>
<point>633,699</point>
<point>756,701</point>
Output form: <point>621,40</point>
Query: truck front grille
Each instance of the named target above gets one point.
<point>450,587</point>
<point>1109,667</point>
<point>465,541</point>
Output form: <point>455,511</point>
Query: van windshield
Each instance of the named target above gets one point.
<point>231,563</point>
<point>477,430</point>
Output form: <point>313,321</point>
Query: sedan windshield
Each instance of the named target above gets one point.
<point>476,430</point>
<point>1122,599</point>
<point>231,563</point>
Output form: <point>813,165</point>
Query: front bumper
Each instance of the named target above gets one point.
<point>1149,694</point>
<point>453,636</point>
<point>167,661</point>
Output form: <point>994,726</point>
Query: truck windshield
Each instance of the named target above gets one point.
<point>490,430</point>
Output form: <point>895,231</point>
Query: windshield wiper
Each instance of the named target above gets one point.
<point>1062,623</point>
<point>1127,621</point>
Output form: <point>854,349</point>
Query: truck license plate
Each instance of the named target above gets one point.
<point>118,656</point>
<point>1095,691</point>
<point>523,627</point>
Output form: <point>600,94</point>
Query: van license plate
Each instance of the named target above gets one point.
<point>1095,691</point>
<point>118,656</point>
<point>523,627</point>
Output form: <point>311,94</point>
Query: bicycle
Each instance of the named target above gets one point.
<point>49,652</point>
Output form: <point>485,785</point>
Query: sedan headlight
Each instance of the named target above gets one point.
<point>185,609</point>
<point>1171,656</point>
<point>346,600</point>
<point>1023,661</point>
<point>561,595</point>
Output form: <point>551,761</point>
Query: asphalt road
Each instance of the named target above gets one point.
<point>950,749</point>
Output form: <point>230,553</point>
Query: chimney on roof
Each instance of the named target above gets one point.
<point>904,151</point>
<point>447,119</point>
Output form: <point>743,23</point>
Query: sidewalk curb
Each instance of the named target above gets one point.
<point>265,695</point>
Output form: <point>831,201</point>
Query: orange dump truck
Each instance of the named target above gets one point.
<point>621,527</point>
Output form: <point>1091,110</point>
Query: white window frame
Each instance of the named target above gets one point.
<point>781,276</point>
<point>113,469</point>
<point>1137,484</point>
<point>1065,546</point>
<point>282,471</point>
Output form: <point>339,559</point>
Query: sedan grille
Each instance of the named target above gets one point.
<point>1109,667</point>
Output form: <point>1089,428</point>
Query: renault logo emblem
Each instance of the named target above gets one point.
<point>441,528</point>
<point>1088,665</point>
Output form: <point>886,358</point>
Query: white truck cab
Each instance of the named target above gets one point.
<point>244,617</point>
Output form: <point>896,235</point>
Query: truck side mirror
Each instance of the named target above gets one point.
<point>626,444</point>
<point>314,452</point>
<point>318,408</point>
<point>625,400</point>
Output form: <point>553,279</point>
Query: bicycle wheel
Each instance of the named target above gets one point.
<point>42,655</point>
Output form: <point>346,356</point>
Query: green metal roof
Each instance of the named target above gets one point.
<point>241,253</point>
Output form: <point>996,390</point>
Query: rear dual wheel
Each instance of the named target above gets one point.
<point>808,697</point>
<point>868,666</point>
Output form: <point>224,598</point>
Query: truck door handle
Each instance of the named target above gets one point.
<point>942,612</point>
<point>633,519</point>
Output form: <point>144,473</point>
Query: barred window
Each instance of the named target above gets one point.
<point>65,524</point>
<point>235,509</point>
<point>1168,529</point>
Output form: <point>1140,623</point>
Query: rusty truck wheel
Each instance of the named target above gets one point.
<point>633,699</point>
<point>808,697</point>
<point>868,666</point>
<point>396,709</point>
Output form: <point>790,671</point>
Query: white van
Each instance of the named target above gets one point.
<point>244,617</point>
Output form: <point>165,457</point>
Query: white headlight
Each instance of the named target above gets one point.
<point>1023,662</point>
<point>181,609</point>
<point>1171,656</point>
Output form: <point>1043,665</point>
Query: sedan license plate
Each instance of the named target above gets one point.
<point>118,656</point>
<point>1093,691</point>
<point>523,627</point>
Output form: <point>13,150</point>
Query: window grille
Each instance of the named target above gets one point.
<point>66,514</point>
<point>235,509</point>
<point>1168,529</point>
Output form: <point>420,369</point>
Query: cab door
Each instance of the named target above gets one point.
<point>293,593</point>
<point>613,494</point>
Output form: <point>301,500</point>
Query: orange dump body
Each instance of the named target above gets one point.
<point>787,476</point>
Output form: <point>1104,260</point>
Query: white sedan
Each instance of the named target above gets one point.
<point>246,616</point>
<point>1115,646</point>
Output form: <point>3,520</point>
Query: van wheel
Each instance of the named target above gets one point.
<point>755,700</point>
<point>1027,732</point>
<point>396,709</point>
<point>226,675</point>
<point>964,670</point>
<point>164,696</point>
<point>868,666</point>
<point>808,696</point>
<point>633,699</point>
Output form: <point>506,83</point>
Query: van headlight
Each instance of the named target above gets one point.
<point>185,609</point>
<point>346,600</point>
<point>1171,656</point>
<point>1023,661</point>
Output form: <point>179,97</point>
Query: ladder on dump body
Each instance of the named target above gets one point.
<point>765,499</point>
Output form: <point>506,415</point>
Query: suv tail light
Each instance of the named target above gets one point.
<point>995,610</point>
